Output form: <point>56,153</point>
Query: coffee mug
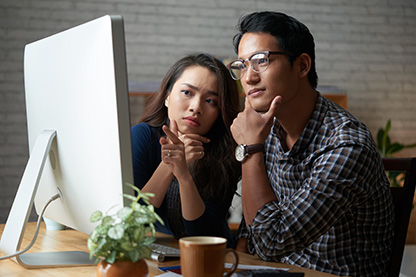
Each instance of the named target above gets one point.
<point>205,256</point>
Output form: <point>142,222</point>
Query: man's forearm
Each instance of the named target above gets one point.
<point>242,245</point>
<point>255,190</point>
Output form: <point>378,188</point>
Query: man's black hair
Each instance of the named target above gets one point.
<point>292,36</point>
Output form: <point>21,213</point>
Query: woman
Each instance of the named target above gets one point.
<point>190,166</point>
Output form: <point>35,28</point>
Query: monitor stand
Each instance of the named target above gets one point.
<point>19,214</point>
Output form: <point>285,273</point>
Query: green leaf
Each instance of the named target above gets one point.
<point>107,220</point>
<point>144,219</point>
<point>145,251</point>
<point>101,243</point>
<point>133,187</point>
<point>388,126</point>
<point>102,229</point>
<point>112,257</point>
<point>146,200</point>
<point>148,195</point>
<point>380,135</point>
<point>124,213</point>
<point>148,240</point>
<point>132,198</point>
<point>91,245</point>
<point>410,146</point>
<point>385,139</point>
<point>393,148</point>
<point>116,232</point>
<point>134,255</point>
<point>91,255</point>
<point>94,236</point>
<point>96,216</point>
<point>126,246</point>
<point>158,218</point>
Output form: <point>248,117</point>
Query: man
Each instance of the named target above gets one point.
<point>314,192</point>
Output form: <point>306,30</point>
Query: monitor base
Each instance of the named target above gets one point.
<point>55,259</point>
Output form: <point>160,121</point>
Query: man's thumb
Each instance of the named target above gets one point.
<point>274,106</point>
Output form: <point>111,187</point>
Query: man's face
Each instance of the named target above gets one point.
<point>278,79</point>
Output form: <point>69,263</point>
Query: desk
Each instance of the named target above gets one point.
<point>68,240</point>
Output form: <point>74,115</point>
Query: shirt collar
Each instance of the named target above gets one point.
<point>314,124</point>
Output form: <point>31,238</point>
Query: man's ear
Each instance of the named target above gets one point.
<point>304,62</point>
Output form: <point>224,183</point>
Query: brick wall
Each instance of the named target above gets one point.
<point>365,48</point>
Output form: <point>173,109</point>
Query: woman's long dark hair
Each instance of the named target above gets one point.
<point>217,171</point>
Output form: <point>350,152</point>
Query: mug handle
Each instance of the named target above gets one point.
<point>235,263</point>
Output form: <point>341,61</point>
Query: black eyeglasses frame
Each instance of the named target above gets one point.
<point>267,53</point>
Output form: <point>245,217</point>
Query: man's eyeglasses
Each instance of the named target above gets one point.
<point>258,61</point>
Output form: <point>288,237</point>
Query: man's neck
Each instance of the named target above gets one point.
<point>295,115</point>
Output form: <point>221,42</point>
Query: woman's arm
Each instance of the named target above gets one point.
<point>173,155</point>
<point>213,221</point>
<point>159,184</point>
<point>150,174</point>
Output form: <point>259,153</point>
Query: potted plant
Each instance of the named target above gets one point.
<point>120,242</point>
<point>387,148</point>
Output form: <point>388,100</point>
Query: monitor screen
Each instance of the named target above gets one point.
<point>78,126</point>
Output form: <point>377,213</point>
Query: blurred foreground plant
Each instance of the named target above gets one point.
<point>122,236</point>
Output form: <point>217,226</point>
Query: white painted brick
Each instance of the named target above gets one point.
<point>364,47</point>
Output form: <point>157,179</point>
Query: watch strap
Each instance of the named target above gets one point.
<point>254,148</point>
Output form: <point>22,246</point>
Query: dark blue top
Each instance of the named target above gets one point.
<point>146,158</point>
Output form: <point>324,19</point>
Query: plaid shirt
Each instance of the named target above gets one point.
<point>334,211</point>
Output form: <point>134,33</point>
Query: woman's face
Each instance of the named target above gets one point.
<point>193,101</point>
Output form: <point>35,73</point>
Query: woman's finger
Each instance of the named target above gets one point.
<point>174,128</point>
<point>173,138</point>
<point>195,138</point>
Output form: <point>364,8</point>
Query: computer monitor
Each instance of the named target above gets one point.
<point>79,132</point>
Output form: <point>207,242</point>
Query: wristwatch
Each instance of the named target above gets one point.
<point>242,151</point>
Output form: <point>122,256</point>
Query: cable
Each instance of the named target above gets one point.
<point>53,198</point>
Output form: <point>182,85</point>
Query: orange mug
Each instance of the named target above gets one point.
<point>204,256</point>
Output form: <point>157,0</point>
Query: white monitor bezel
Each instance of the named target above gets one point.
<point>78,129</point>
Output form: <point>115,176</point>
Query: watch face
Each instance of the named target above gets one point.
<point>240,153</point>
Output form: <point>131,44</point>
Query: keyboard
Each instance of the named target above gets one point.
<point>161,252</point>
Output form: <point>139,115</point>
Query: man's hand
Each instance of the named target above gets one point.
<point>250,126</point>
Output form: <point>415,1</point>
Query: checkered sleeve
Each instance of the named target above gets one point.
<point>334,180</point>
<point>242,229</point>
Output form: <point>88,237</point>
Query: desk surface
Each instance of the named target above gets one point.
<point>68,240</point>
